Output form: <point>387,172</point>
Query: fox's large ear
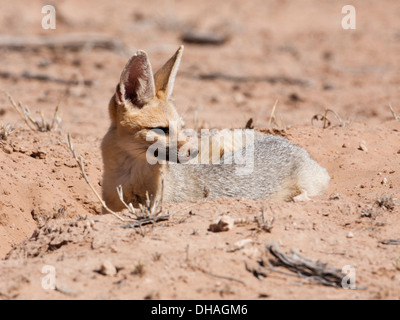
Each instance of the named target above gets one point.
<point>165,77</point>
<point>137,83</point>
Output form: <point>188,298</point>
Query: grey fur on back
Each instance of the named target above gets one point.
<point>281,171</point>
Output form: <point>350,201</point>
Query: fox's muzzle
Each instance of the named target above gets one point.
<point>171,154</point>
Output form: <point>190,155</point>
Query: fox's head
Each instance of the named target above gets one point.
<point>144,116</point>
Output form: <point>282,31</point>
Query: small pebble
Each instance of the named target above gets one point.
<point>242,243</point>
<point>108,269</point>
<point>350,235</point>
<point>8,149</point>
<point>335,196</point>
<point>363,146</point>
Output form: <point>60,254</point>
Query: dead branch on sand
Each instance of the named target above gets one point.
<point>304,268</point>
<point>145,221</point>
<point>390,242</point>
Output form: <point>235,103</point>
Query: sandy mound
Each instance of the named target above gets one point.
<point>39,180</point>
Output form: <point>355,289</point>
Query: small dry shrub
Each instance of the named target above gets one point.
<point>386,202</point>
<point>6,130</point>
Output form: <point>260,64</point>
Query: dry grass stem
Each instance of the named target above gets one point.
<point>81,164</point>
<point>326,122</point>
<point>396,117</point>
<point>6,130</point>
<point>262,223</point>
<point>145,214</point>
<point>150,210</point>
<point>41,125</point>
<point>272,118</point>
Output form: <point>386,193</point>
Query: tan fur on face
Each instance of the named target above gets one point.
<point>130,135</point>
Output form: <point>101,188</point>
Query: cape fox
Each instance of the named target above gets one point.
<point>141,114</point>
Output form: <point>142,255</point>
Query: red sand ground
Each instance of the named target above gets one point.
<point>49,216</point>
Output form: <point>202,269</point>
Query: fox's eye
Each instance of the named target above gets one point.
<point>165,130</point>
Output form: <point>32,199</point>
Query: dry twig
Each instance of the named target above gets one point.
<point>396,117</point>
<point>145,221</point>
<point>257,271</point>
<point>272,118</point>
<point>217,276</point>
<point>390,242</point>
<point>324,118</point>
<point>262,223</point>
<point>310,270</point>
<point>81,164</point>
